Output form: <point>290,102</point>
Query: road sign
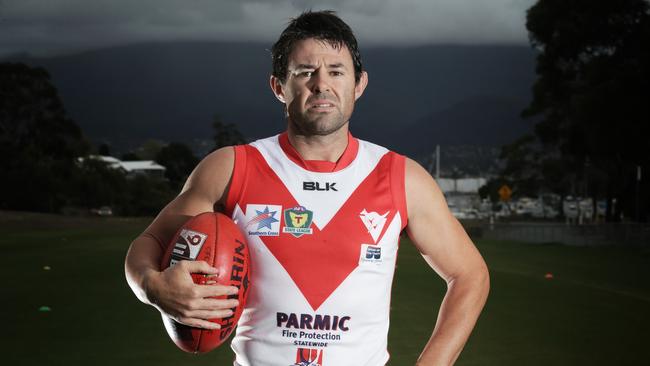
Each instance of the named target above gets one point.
<point>504,193</point>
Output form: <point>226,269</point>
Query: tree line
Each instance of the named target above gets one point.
<point>40,148</point>
<point>590,101</point>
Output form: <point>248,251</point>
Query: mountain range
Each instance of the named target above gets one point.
<point>417,97</point>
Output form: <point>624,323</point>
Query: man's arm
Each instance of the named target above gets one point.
<point>173,291</point>
<point>444,244</point>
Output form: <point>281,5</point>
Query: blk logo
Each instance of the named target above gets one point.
<point>316,186</point>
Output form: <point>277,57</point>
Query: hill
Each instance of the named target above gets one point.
<point>417,96</point>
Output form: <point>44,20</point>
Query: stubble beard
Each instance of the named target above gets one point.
<point>310,124</point>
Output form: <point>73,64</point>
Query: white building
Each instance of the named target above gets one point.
<point>462,196</point>
<point>461,185</point>
<point>131,168</point>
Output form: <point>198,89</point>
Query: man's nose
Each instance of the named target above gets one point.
<point>320,81</point>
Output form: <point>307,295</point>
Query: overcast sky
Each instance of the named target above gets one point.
<point>58,26</point>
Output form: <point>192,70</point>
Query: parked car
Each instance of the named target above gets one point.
<point>102,211</point>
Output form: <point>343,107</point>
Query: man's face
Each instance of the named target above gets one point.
<point>319,91</point>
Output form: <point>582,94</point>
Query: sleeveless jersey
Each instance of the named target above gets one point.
<point>323,241</point>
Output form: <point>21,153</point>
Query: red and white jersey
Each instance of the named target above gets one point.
<point>323,241</point>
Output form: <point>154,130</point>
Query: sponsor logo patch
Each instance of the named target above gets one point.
<point>309,357</point>
<point>374,222</point>
<point>370,254</point>
<point>316,186</point>
<point>187,246</point>
<point>263,220</point>
<point>297,221</point>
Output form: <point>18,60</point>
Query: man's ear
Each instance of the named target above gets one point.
<point>361,85</point>
<point>276,87</point>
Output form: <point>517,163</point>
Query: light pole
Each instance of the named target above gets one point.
<point>638,184</point>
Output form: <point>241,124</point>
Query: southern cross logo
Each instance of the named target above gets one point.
<point>264,221</point>
<point>374,222</point>
<point>298,221</point>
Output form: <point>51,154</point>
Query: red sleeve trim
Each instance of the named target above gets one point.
<point>398,185</point>
<point>237,180</point>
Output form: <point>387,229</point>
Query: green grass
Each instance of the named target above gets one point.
<point>595,311</point>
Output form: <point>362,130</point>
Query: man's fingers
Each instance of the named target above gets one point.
<point>215,290</point>
<point>209,314</point>
<point>199,267</point>
<point>199,323</point>
<point>215,304</point>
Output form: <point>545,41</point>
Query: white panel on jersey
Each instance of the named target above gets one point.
<point>329,201</point>
<point>271,290</point>
<point>267,268</point>
<point>363,296</point>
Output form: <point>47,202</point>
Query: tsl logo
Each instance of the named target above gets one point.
<point>298,221</point>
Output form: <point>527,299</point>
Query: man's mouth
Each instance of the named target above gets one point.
<point>320,105</point>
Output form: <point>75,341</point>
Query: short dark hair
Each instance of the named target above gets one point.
<point>321,25</point>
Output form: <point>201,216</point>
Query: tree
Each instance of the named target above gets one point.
<point>129,156</point>
<point>149,149</point>
<point>226,134</point>
<point>591,96</point>
<point>38,141</point>
<point>104,149</point>
<point>179,162</point>
<point>96,184</point>
<point>146,196</point>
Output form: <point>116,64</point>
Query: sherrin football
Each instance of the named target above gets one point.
<point>216,239</point>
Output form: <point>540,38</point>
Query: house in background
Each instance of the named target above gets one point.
<point>131,168</point>
<point>143,167</point>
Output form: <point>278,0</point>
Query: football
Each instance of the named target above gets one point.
<point>216,239</point>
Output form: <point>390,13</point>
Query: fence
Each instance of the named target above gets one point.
<point>589,234</point>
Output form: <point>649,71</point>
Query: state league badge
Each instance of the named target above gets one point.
<point>298,221</point>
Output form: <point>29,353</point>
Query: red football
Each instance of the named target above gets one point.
<point>216,239</point>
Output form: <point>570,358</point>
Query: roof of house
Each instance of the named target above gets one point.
<point>128,166</point>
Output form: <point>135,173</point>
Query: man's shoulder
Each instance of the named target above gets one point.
<point>374,148</point>
<point>273,139</point>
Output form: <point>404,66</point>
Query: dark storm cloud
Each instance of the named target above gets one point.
<point>39,26</point>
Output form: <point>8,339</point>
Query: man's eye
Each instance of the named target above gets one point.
<point>336,73</point>
<point>305,74</point>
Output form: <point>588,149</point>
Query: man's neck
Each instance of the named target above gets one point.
<point>317,147</point>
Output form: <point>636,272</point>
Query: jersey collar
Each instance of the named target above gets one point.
<point>320,166</point>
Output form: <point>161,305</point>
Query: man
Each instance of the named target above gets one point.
<point>322,212</point>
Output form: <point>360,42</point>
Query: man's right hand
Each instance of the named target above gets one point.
<point>174,293</point>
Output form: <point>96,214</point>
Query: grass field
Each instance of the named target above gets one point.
<point>595,310</point>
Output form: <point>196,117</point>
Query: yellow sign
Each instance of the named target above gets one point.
<point>505,192</point>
